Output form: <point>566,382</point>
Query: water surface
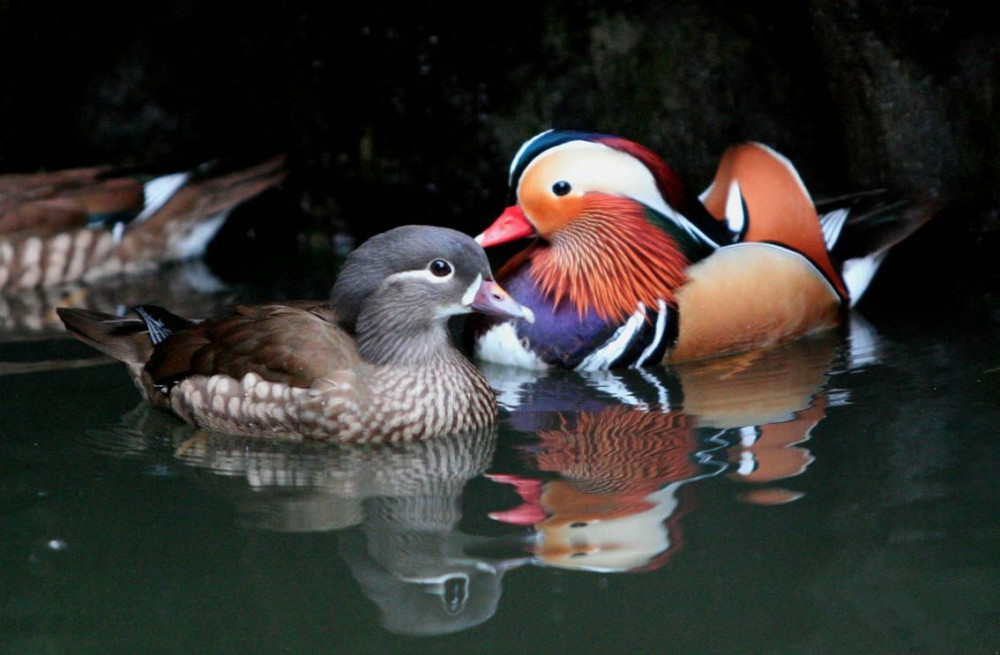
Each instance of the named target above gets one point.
<point>838,495</point>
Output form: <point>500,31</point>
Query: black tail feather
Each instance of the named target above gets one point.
<point>161,323</point>
<point>123,337</point>
<point>876,222</point>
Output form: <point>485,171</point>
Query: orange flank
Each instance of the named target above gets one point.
<point>751,295</point>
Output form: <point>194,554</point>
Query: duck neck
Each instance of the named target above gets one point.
<point>397,338</point>
<point>609,260</point>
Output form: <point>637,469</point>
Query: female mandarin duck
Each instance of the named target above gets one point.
<point>377,364</point>
<point>84,224</point>
<point>628,269</point>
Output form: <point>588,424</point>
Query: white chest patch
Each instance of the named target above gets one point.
<point>501,344</point>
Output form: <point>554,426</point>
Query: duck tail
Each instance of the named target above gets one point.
<point>161,323</point>
<point>124,338</point>
<point>188,209</point>
<point>861,228</point>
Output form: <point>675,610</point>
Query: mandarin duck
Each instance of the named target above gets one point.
<point>89,223</point>
<point>627,268</point>
<point>376,364</point>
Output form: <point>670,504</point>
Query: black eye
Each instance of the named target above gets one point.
<point>561,188</point>
<point>440,267</point>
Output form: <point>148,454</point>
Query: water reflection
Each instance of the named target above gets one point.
<point>189,287</point>
<point>608,458</point>
<point>593,472</point>
<point>396,508</point>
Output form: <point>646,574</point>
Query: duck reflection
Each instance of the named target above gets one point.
<point>612,504</point>
<point>591,472</point>
<point>395,509</point>
<point>191,285</point>
<point>605,470</point>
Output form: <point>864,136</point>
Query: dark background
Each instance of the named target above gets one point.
<point>410,113</point>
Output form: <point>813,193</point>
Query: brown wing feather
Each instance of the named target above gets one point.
<point>281,343</point>
<point>47,203</point>
<point>204,197</point>
<point>42,218</point>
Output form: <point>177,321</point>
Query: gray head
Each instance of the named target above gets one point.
<point>411,279</point>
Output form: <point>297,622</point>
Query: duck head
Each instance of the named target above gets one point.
<point>613,223</point>
<point>399,288</point>
<point>560,176</point>
<point>553,173</point>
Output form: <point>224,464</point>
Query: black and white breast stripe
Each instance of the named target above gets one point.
<point>642,339</point>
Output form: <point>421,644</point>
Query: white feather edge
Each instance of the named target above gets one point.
<point>859,272</point>
<point>602,357</point>
<point>158,191</point>
<point>832,224</point>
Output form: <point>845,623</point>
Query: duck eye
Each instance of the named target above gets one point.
<point>440,268</point>
<point>561,188</point>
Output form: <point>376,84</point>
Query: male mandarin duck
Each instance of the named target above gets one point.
<point>629,269</point>
<point>88,223</point>
<point>376,364</point>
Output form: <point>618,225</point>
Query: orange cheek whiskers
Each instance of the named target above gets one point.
<point>609,260</point>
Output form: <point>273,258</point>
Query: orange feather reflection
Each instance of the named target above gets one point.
<point>606,489</point>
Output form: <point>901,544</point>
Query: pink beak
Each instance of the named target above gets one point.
<point>491,298</point>
<point>511,225</point>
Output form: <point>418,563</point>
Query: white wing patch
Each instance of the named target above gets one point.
<point>858,274</point>
<point>661,325</point>
<point>612,349</point>
<point>832,223</point>
<point>735,216</point>
<point>158,191</point>
<point>197,240</point>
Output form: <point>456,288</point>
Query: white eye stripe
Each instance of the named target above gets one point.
<point>598,167</point>
<point>470,293</point>
<point>422,274</point>
<point>463,307</point>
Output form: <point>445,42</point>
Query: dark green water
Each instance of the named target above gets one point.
<point>837,496</point>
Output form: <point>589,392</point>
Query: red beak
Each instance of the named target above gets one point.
<point>530,512</point>
<point>511,225</point>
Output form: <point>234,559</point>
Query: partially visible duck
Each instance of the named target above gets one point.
<point>88,223</point>
<point>376,364</point>
<point>627,268</point>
